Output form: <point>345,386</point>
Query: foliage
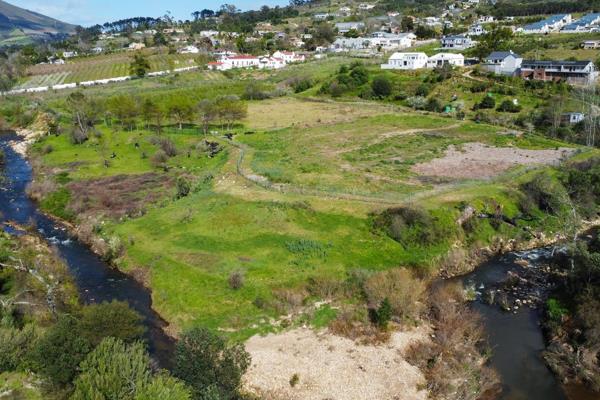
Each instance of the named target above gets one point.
<point>205,361</point>
<point>383,314</point>
<point>397,288</point>
<point>139,66</point>
<point>381,86</point>
<point>115,319</point>
<point>509,106</point>
<point>56,356</point>
<point>56,203</point>
<point>183,186</point>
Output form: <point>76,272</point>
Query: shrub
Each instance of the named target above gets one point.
<point>301,84</point>
<point>205,362</point>
<point>2,158</point>
<point>15,347</point>
<point>115,319</point>
<point>399,289</point>
<point>417,102</point>
<point>359,75</point>
<point>254,91</point>
<point>509,106</point>
<point>412,226</point>
<point>56,203</point>
<point>434,105</point>
<point>381,87</point>
<point>383,314</point>
<point>294,380</point>
<point>183,187</point>
<point>236,280</point>
<point>159,159</point>
<point>47,149</point>
<point>488,102</point>
<point>478,87</point>
<point>545,193</point>
<point>423,90</point>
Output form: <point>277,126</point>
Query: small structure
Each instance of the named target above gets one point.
<point>345,27</point>
<point>189,50</point>
<point>136,46</point>
<point>591,44</point>
<point>573,118</point>
<point>476,30</point>
<point>503,62</point>
<point>406,61</point>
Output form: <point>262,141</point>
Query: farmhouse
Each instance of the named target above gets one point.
<point>441,59</point>
<point>406,61</point>
<point>476,30</point>
<point>289,56</point>
<point>457,42</point>
<point>551,24</point>
<point>503,63</point>
<point>574,72</point>
<point>189,50</point>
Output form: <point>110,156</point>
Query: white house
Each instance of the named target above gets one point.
<point>289,56</point>
<point>406,61</point>
<point>271,63</point>
<point>366,6</point>
<point>476,30</point>
<point>457,42</point>
<point>189,50</point>
<point>136,46</point>
<point>209,33</point>
<point>503,62</point>
<point>97,50</point>
<point>573,117</point>
<point>69,54</point>
<point>441,59</point>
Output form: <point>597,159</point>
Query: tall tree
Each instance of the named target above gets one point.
<point>139,66</point>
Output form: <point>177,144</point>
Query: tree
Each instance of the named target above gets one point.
<point>139,66</point>
<point>384,313</point>
<point>114,370</point>
<point>231,109</point>
<point>85,114</point>
<point>206,363</point>
<point>124,108</point>
<point>181,109</point>
<point>497,39</point>
<point>206,13</point>
<point>59,352</point>
<point>114,319</point>
<point>152,112</point>
<point>407,24</point>
<point>164,387</point>
<point>207,112</point>
<point>381,86</point>
<point>487,102</point>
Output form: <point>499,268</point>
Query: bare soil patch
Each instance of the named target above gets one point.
<point>479,161</point>
<point>332,367</point>
<point>120,195</point>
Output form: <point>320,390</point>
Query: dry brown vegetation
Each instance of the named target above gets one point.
<point>118,196</point>
<point>454,360</point>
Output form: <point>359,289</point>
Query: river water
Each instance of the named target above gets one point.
<point>96,280</point>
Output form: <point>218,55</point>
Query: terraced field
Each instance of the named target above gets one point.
<point>99,67</point>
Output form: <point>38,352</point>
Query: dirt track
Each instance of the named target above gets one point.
<point>331,367</point>
<point>479,161</point>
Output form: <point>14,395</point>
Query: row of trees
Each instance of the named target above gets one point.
<point>127,110</point>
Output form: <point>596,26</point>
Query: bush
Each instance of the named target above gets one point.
<point>478,87</point>
<point>434,105</point>
<point>254,91</point>
<point>78,136</point>
<point>381,87</point>
<point>15,347</point>
<point>236,280</point>
<point>159,159</point>
<point>301,84</point>
<point>399,289</point>
<point>545,193</point>
<point>2,158</point>
<point>294,380</point>
<point>115,319</point>
<point>205,362</point>
<point>509,106</point>
<point>417,102</point>
<point>488,102</point>
<point>412,226</point>
<point>383,314</point>
<point>183,187</point>
<point>423,90</point>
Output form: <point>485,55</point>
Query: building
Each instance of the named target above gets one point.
<point>136,46</point>
<point>550,24</point>
<point>321,16</point>
<point>406,61</point>
<point>476,30</point>
<point>189,50</point>
<point>69,54</point>
<point>573,72</point>
<point>584,24</point>
<point>572,118</point>
<point>271,63</point>
<point>457,42</point>
<point>289,56</point>
<point>366,6</point>
<point>345,27</point>
<point>591,44</point>
<point>378,40</point>
<point>441,59</point>
<point>503,63</point>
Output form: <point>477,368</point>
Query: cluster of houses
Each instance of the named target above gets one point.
<point>229,60</point>
<point>380,41</point>
<point>564,23</point>
<point>502,63</point>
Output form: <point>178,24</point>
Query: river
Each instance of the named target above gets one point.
<point>97,281</point>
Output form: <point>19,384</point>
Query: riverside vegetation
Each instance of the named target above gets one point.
<point>234,220</point>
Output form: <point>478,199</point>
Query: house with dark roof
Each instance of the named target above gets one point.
<point>573,72</point>
<point>503,62</point>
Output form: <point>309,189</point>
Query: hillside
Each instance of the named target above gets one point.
<point>18,26</point>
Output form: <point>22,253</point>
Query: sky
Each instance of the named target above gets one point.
<point>90,12</point>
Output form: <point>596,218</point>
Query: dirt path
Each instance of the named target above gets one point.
<point>342,371</point>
